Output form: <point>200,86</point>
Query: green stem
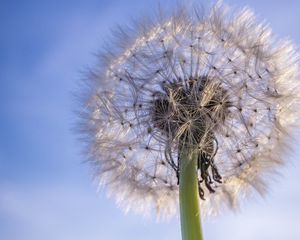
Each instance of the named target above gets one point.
<point>189,197</point>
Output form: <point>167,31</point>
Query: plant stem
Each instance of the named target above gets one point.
<point>189,197</point>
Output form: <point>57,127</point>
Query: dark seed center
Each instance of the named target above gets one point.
<point>191,110</point>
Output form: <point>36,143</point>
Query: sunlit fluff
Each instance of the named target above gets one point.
<point>219,82</point>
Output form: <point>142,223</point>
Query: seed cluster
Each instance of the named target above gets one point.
<point>218,82</point>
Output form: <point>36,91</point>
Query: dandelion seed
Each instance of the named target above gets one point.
<point>218,84</point>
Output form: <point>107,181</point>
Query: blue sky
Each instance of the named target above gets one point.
<point>46,191</point>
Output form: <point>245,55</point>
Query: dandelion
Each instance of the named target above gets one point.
<point>191,110</point>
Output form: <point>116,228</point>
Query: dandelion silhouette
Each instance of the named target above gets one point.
<point>191,103</point>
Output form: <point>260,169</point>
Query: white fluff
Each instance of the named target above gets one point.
<point>259,74</point>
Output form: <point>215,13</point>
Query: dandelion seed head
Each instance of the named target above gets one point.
<point>221,83</point>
